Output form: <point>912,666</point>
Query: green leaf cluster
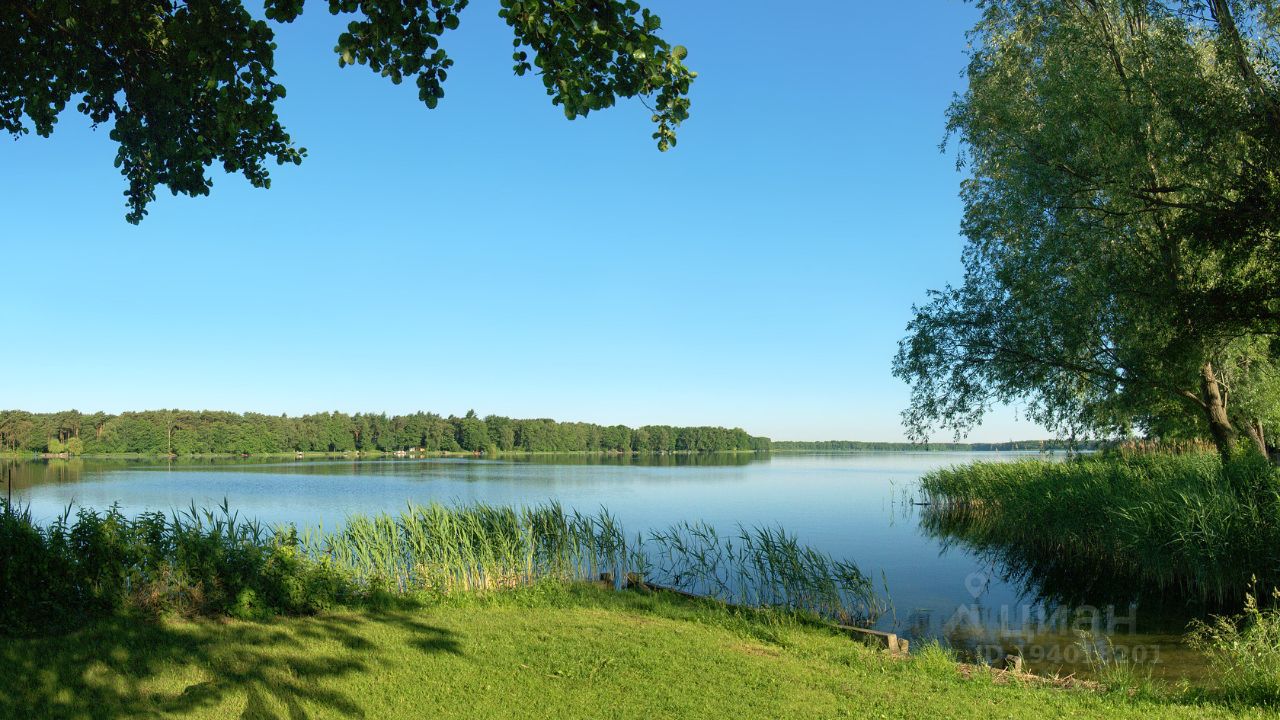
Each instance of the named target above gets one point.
<point>186,85</point>
<point>591,53</point>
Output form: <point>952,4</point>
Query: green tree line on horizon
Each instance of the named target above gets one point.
<point>186,432</point>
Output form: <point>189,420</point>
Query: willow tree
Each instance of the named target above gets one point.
<point>1122,208</point>
<point>184,84</point>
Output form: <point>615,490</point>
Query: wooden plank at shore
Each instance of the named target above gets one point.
<point>888,641</point>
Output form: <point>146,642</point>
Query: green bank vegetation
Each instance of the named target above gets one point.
<point>1244,651</point>
<point>210,562</point>
<point>184,433</point>
<point>1184,525</point>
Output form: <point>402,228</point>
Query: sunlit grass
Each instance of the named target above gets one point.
<point>548,650</point>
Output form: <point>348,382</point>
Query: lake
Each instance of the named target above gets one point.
<point>855,506</point>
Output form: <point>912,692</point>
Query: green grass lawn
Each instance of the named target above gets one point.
<point>545,652</point>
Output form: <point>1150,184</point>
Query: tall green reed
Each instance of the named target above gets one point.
<point>763,567</point>
<point>1169,523</point>
<point>441,549</point>
<point>212,561</point>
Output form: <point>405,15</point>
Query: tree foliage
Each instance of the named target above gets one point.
<point>185,85</point>
<point>184,432</point>
<point>1122,268</point>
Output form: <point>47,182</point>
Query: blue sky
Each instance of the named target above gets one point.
<point>492,255</point>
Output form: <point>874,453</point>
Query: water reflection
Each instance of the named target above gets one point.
<point>1046,576</point>
<point>28,473</point>
<point>1070,614</point>
<point>25,474</point>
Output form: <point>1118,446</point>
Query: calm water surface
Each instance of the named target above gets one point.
<point>855,506</point>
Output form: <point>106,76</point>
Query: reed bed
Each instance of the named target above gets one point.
<point>762,567</point>
<point>57,575</point>
<point>1171,523</point>
<point>440,549</point>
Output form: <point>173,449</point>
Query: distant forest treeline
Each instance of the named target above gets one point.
<point>182,432</point>
<point>805,445</point>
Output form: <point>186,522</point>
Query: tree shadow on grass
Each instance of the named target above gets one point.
<point>427,638</point>
<point>130,668</point>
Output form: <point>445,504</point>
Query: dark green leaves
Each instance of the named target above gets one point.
<point>187,85</point>
<point>184,86</point>
<point>400,39</point>
<point>592,53</point>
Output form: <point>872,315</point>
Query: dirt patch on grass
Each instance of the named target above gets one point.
<point>758,650</point>
<point>1006,677</point>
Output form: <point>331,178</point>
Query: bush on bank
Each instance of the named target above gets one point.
<point>1244,652</point>
<point>60,575</point>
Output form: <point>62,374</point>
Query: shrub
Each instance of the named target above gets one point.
<point>57,576</point>
<point>34,581</point>
<point>1244,652</point>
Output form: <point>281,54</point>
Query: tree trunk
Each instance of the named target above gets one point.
<point>1254,430</point>
<point>1224,435</point>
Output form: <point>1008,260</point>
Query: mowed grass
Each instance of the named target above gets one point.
<point>549,650</point>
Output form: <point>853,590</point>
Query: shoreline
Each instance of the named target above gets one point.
<point>381,454</point>
<point>376,454</point>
